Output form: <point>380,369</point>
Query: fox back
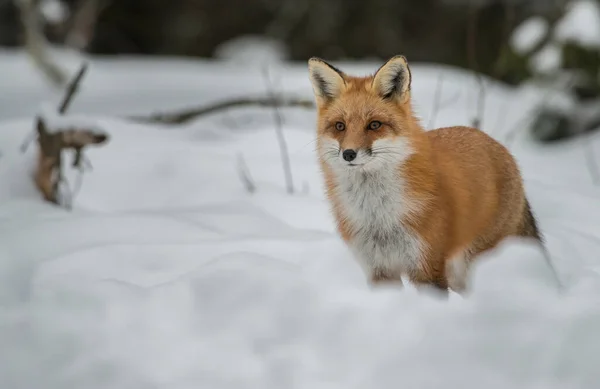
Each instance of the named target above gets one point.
<point>407,201</point>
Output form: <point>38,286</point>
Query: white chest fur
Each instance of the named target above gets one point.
<point>374,204</point>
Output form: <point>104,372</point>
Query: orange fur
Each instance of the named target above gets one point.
<point>460,191</point>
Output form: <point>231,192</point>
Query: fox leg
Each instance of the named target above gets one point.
<point>428,276</point>
<point>457,269</point>
<point>385,277</point>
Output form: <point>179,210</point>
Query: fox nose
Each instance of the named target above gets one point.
<point>349,155</point>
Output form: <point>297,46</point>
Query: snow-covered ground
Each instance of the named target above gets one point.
<point>168,274</point>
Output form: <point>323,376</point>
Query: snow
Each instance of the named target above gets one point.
<point>548,59</point>
<point>54,11</point>
<point>528,34</point>
<point>252,50</point>
<point>168,274</point>
<point>580,24</point>
<point>57,122</point>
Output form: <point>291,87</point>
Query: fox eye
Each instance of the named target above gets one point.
<point>340,126</point>
<point>374,125</point>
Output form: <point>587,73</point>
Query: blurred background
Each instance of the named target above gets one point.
<point>512,41</point>
<point>193,246</point>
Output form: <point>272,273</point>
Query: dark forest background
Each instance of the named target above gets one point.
<point>471,34</point>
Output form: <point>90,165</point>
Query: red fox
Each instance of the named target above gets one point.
<point>409,202</point>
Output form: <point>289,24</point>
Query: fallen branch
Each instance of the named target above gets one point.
<point>52,141</point>
<point>186,115</point>
<point>244,173</point>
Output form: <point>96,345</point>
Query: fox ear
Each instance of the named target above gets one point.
<point>392,80</point>
<point>327,81</point>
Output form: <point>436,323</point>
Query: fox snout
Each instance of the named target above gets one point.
<point>353,156</point>
<point>349,155</point>
<point>336,153</point>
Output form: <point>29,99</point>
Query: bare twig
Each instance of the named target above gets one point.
<point>478,120</point>
<point>184,116</point>
<point>244,173</point>
<point>501,118</point>
<point>83,23</point>
<point>72,89</point>
<point>590,160</point>
<point>79,181</point>
<point>27,141</point>
<point>509,19</point>
<point>449,101</point>
<point>501,63</point>
<point>64,195</point>
<point>555,274</point>
<point>285,158</point>
<point>436,101</point>
<point>523,121</point>
<point>35,42</point>
<point>472,58</point>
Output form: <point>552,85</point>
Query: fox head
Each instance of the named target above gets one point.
<point>363,123</point>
